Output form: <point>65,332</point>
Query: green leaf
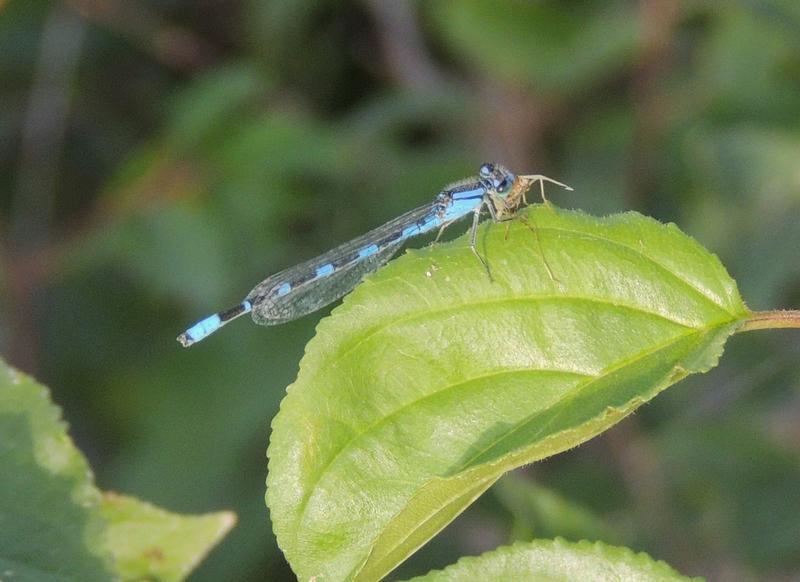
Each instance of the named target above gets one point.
<point>50,522</point>
<point>431,380</point>
<point>56,525</point>
<point>150,543</point>
<point>557,560</point>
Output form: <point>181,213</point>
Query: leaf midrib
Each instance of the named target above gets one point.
<point>490,302</point>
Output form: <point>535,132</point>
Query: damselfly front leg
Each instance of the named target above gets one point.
<point>441,230</point>
<point>476,219</point>
<point>517,199</point>
<point>532,227</point>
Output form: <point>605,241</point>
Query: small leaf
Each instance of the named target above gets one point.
<point>50,522</point>
<point>557,560</point>
<point>432,380</point>
<point>56,525</point>
<point>150,543</point>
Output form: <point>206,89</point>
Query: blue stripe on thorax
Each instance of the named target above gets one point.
<point>475,193</point>
<point>464,202</point>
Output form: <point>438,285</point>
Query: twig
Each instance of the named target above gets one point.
<point>658,20</point>
<point>404,51</point>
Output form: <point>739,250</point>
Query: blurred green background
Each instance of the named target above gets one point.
<point>160,157</point>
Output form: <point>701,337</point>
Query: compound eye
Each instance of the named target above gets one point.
<point>502,186</point>
<point>486,170</point>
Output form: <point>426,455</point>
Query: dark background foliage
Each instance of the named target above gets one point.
<point>159,157</point>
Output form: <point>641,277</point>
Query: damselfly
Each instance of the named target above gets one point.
<point>309,286</point>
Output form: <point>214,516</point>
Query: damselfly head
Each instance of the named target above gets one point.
<point>496,177</point>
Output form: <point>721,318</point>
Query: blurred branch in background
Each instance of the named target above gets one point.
<point>173,46</point>
<point>407,60</point>
<point>42,141</point>
<point>658,20</point>
<point>514,123</point>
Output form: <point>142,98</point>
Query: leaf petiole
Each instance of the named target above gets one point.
<point>780,318</point>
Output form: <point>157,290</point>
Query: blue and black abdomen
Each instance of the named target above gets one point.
<point>309,286</point>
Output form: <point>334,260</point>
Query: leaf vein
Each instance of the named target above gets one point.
<point>498,300</point>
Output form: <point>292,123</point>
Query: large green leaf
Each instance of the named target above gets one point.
<point>54,523</point>
<point>432,380</point>
<point>548,561</point>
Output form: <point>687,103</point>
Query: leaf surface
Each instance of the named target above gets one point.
<point>432,380</point>
<point>148,542</point>
<point>50,523</point>
<point>557,560</point>
<point>56,525</point>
